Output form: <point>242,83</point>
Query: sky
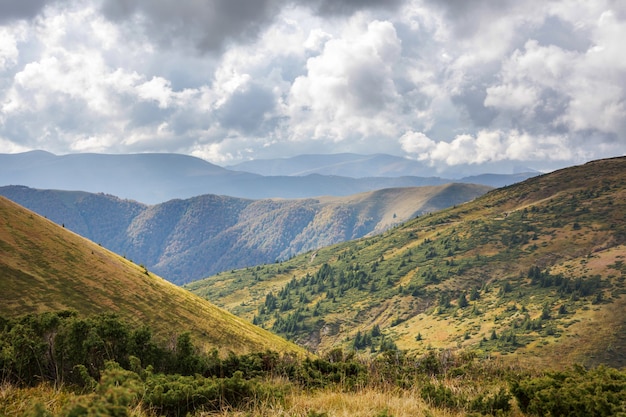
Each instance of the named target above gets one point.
<point>450,83</point>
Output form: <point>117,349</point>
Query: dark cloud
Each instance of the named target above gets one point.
<point>146,113</point>
<point>20,9</point>
<point>347,7</point>
<point>246,110</point>
<point>552,105</point>
<point>557,32</point>
<point>472,100</point>
<point>543,118</point>
<point>468,16</point>
<point>208,25</point>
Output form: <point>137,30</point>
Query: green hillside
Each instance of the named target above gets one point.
<point>532,272</point>
<point>44,267</point>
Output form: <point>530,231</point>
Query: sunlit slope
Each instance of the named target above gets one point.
<point>534,272</point>
<point>391,206</point>
<point>44,267</point>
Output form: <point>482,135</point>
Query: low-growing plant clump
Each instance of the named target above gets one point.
<point>60,364</point>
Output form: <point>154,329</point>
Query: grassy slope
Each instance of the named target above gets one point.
<point>45,267</point>
<point>570,222</point>
<point>393,206</point>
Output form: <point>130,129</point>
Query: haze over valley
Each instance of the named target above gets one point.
<point>184,240</point>
<point>156,178</point>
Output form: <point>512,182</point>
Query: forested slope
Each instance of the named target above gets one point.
<point>534,270</point>
<point>183,240</point>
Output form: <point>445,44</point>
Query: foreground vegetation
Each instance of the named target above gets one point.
<point>60,364</point>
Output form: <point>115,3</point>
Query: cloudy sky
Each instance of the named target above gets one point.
<point>534,83</point>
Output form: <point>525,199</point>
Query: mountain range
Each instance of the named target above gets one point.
<point>532,273</point>
<point>184,240</point>
<point>363,166</point>
<point>156,178</point>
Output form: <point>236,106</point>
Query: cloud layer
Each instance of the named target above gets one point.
<point>450,83</point>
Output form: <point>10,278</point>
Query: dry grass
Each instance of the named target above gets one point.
<point>45,267</point>
<point>55,401</point>
<point>368,402</point>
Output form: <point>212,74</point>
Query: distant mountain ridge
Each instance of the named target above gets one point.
<point>364,166</point>
<point>341,164</point>
<point>189,239</point>
<point>153,178</point>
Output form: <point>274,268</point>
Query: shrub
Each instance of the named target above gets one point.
<point>492,404</point>
<point>439,395</point>
<point>576,392</point>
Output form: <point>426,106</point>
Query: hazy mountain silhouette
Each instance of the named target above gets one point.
<point>155,178</point>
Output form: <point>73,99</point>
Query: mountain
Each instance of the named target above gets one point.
<point>156,178</point>
<point>499,180</point>
<point>366,166</point>
<point>534,273</point>
<point>190,239</point>
<point>44,267</point>
<point>341,164</point>
<point>143,177</point>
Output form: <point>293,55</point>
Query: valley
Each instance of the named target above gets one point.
<point>45,267</point>
<point>185,240</point>
<point>507,303</point>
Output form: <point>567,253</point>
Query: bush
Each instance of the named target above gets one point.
<point>439,395</point>
<point>498,402</point>
<point>117,391</point>
<point>177,395</point>
<point>576,392</point>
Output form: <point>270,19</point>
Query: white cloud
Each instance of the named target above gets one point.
<point>157,89</point>
<point>487,146</point>
<point>100,143</point>
<point>417,143</point>
<point>447,82</point>
<point>598,83</point>
<point>511,97</point>
<point>316,40</point>
<point>9,52</point>
<point>349,88</point>
<point>589,83</point>
<point>524,147</point>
